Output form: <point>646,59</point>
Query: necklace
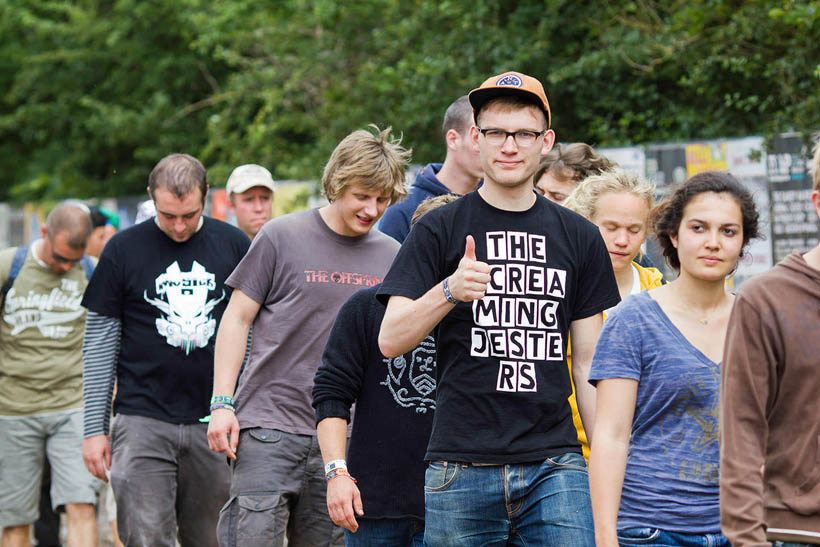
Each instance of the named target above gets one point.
<point>704,320</point>
<point>707,314</point>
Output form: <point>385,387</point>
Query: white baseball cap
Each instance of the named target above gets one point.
<point>248,176</point>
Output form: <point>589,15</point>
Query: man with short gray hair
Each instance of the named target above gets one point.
<point>41,333</point>
<point>250,191</point>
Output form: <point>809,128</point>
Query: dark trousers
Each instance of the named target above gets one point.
<point>167,483</point>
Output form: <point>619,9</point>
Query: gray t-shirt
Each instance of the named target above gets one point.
<point>301,272</point>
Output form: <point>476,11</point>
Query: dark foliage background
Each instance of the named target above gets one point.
<point>93,92</point>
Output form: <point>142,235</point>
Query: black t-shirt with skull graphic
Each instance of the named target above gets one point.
<point>395,403</point>
<point>503,381</point>
<point>169,298</point>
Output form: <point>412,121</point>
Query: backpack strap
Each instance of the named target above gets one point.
<point>16,266</point>
<point>88,266</point>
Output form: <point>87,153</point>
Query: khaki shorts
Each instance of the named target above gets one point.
<point>25,442</point>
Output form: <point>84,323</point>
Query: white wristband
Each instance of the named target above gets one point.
<point>335,464</point>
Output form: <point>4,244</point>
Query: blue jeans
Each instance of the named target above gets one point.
<point>407,532</point>
<point>543,503</point>
<point>656,536</point>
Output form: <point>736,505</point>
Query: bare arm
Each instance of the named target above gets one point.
<point>407,322</point>
<point>607,460</point>
<point>584,335</point>
<point>344,501</point>
<point>223,430</point>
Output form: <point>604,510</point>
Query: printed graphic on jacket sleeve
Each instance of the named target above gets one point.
<point>186,322</point>
<point>411,378</point>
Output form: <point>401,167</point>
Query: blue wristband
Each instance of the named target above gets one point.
<point>216,406</point>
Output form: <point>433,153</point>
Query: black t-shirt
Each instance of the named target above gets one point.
<point>503,381</point>
<point>395,403</point>
<point>169,298</point>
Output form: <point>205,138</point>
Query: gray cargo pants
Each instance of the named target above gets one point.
<point>277,487</point>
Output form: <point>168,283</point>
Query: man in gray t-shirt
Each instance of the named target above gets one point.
<point>298,272</point>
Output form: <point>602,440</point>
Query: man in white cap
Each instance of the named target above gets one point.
<point>250,190</point>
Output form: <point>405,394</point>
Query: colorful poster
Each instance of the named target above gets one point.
<point>702,157</point>
<point>666,166</point>
<point>746,160</point>
<point>220,206</point>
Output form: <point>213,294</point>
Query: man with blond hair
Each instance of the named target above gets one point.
<point>505,275</point>
<point>41,335</point>
<point>299,270</point>
<point>770,409</point>
<point>395,400</point>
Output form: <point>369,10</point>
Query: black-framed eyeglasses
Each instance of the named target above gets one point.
<point>523,138</point>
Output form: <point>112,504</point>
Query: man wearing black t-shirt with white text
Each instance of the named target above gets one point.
<point>154,304</point>
<point>512,275</point>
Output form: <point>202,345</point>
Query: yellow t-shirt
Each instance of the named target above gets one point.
<point>649,278</point>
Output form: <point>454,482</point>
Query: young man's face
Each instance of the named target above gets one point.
<point>553,187</point>
<point>253,208</point>
<point>509,164</point>
<point>815,200</point>
<point>178,217</point>
<point>467,155</point>
<point>622,218</point>
<point>358,209</point>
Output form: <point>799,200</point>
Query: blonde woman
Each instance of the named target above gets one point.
<point>618,203</point>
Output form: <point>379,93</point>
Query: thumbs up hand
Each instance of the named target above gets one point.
<point>469,281</point>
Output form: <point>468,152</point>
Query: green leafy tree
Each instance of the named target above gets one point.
<point>93,92</point>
